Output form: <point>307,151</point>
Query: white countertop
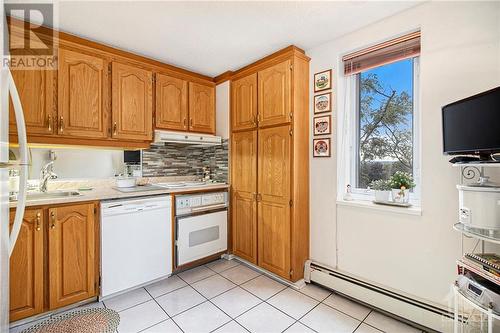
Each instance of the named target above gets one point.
<point>107,193</point>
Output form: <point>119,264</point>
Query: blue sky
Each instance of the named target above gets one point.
<point>396,75</point>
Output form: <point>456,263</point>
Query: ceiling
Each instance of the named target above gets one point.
<point>213,37</point>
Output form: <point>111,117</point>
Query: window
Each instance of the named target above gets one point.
<point>384,114</point>
<point>379,123</point>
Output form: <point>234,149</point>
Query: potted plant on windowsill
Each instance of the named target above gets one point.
<point>382,189</point>
<point>401,184</point>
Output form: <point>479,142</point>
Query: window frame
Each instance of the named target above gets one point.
<point>367,194</point>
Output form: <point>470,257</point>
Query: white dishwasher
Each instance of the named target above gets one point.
<point>136,242</point>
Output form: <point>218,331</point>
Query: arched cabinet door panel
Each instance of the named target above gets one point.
<point>171,103</point>
<point>71,242</point>
<point>244,103</point>
<point>201,108</point>
<point>132,103</point>
<point>244,188</point>
<point>26,267</point>
<point>274,227</point>
<point>82,95</point>
<point>275,93</point>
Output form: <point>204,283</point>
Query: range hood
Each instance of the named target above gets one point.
<point>191,138</point>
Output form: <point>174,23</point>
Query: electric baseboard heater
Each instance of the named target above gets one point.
<point>426,315</point>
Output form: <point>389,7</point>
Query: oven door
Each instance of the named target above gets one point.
<point>201,235</point>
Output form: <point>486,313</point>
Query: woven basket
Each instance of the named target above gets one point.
<point>88,320</point>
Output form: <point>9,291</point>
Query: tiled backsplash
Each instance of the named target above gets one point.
<point>173,159</point>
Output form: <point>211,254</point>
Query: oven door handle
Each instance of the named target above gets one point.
<point>208,208</point>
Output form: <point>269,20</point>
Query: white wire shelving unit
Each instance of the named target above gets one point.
<point>462,320</point>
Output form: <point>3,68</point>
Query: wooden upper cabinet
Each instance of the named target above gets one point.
<point>82,95</point>
<point>35,88</point>
<point>244,103</point>
<point>171,103</point>
<point>71,242</point>
<point>275,94</point>
<point>274,227</point>
<point>201,108</point>
<point>26,267</point>
<point>132,103</point>
<point>244,188</point>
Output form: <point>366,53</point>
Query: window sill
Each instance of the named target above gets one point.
<point>413,210</point>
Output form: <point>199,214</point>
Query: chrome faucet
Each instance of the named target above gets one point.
<point>45,174</point>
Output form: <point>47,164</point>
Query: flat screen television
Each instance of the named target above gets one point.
<point>472,125</point>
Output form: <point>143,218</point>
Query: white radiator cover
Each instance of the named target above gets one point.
<point>416,311</point>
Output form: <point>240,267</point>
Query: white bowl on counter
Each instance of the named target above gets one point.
<point>122,182</point>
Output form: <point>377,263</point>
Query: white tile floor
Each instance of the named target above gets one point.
<point>225,296</point>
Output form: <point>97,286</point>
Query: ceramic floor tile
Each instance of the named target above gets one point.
<point>240,274</point>
<point>299,328</point>
<point>388,324</point>
<point>20,328</point>
<point>363,328</point>
<point>231,327</point>
<point>196,274</point>
<point>165,286</point>
<point>222,265</point>
<point>236,301</point>
<point>213,286</point>
<point>263,287</point>
<point>141,317</point>
<point>326,319</point>
<point>265,318</point>
<point>293,303</point>
<point>167,326</point>
<point>347,306</point>
<point>127,300</point>
<point>180,300</point>
<point>202,318</point>
<point>316,292</point>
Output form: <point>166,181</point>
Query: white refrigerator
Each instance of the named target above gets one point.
<point>8,236</point>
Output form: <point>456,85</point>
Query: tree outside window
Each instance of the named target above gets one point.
<point>385,122</point>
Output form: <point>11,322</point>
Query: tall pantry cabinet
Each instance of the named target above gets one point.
<point>270,163</point>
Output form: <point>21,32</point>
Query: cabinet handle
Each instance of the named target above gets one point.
<point>185,122</point>
<point>61,124</point>
<point>191,122</point>
<point>254,196</point>
<point>255,120</point>
<point>38,220</point>
<point>49,121</point>
<point>259,197</point>
<point>53,218</point>
<point>114,128</point>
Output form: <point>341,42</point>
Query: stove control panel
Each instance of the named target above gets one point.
<point>187,202</point>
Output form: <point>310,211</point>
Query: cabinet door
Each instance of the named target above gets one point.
<point>171,103</point>
<point>244,188</point>
<point>26,267</point>
<point>274,200</point>
<point>71,244</point>
<point>201,108</point>
<point>82,95</point>
<point>35,88</point>
<point>244,103</point>
<point>132,103</point>
<point>275,94</point>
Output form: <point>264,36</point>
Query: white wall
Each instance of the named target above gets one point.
<point>415,254</point>
<point>222,109</point>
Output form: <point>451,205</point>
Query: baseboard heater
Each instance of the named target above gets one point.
<point>426,316</point>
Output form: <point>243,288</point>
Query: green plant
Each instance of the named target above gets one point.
<point>402,179</point>
<point>380,185</point>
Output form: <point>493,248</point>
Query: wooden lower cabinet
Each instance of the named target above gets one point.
<point>71,244</point>
<point>55,261</point>
<point>26,267</point>
<point>244,216</point>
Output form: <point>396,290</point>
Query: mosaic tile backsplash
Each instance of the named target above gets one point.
<point>173,159</point>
